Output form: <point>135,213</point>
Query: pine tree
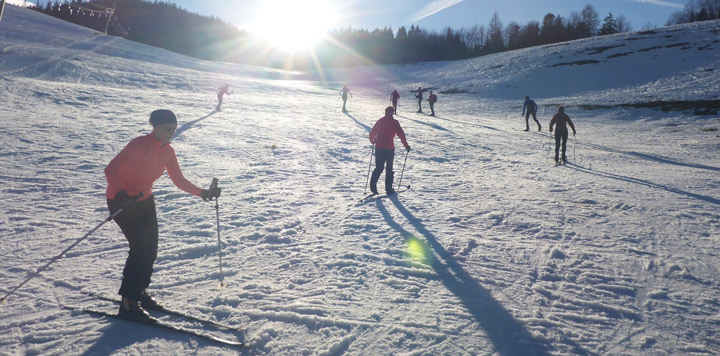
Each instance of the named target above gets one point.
<point>609,26</point>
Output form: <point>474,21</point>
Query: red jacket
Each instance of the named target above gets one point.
<point>385,129</point>
<point>140,164</point>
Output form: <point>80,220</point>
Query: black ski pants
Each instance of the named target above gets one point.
<point>527,119</point>
<point>383,158</point>
<point>561,137</point>
<point>138,223</point>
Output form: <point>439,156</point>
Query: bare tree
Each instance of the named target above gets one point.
<point>591,19</point>
<point>623,24</point>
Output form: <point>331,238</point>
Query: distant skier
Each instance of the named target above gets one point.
<point>221,92</point>
<point>382,136</point>
<point>561,131</point>
<point>344,94</point>
<point>394,97</point>
<point>432,99</point>
<point>531,110</point>
<point>419,97</point>
<point>130,176</point>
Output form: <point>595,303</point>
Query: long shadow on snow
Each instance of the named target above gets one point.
<point>508,336</point>
<point>366,127</point>
<point>467,123</point>
<point>190,124</point>
<point>645,183</point>
<point>435,126</point>
<point>649,157</point>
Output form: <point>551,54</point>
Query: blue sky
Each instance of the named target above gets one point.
<point>438,14</point>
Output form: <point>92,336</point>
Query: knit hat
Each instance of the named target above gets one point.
<point>389,110</point>
<point>162,116</point>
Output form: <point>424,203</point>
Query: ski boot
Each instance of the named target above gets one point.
<point>148,302</point>
<point>131,309</point>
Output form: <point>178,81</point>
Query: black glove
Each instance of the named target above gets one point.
<point>209,194</point>
<point>407,148</point>
<point>123,199</point>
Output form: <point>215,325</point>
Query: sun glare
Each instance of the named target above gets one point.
<point>294,25</point>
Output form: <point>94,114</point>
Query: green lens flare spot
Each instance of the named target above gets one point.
<point>417,251</point>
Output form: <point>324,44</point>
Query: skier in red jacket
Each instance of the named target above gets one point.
<point>130,176</point>
<point>382,136</point>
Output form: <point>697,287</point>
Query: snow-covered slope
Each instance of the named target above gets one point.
<point>492,250</point>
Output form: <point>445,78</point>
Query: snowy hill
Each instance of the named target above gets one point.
<point>492,250</point>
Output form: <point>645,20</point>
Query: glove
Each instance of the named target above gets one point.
<point>407,148</point>
<point>209,194</point>
<point>123,199</point>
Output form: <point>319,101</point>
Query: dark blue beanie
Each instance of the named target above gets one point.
<point>162,116</point>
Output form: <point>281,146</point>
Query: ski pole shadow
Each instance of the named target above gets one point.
<point>509,337</point>
<point>646,183</point>
<point>190,124</point>
<point>366,127</point>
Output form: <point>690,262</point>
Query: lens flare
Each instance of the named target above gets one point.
<point>418,251</point>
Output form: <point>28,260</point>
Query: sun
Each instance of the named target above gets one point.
<point>294,25</point>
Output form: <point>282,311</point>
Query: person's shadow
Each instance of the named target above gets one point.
<point>508,336</point>
<point>190,124</point>
<point>120,334</point>
<point>116,336</point>
<point>366,127</point>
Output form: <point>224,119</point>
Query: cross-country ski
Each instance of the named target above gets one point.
<point>159,324</point>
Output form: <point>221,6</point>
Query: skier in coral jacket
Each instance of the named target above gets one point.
<point>382,136</point>
<point>130,176</point>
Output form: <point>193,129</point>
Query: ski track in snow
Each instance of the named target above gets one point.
<point>492,250</point>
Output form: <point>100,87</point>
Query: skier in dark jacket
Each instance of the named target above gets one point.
<point>130,176</point>
<point>419,97</point>
<point>394,99</point>
<point>561,132</point>
<point>382,136</point>
<point>531,110</point>
<point>432,99</point>
<point>344,94</point>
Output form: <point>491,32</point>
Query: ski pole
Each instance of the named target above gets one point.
<point>403,170</point>
<point>54,259</point>
<point>550,146</point>
<point>574,148</point>
<point>372,153</point>
<point>213,186</point>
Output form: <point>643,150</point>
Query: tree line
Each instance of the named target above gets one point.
<point>382,46</point>
<point>696,10</point>
<point>157,23</point>
<point>168,26</point>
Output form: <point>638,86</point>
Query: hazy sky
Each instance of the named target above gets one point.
<point>438,14</point>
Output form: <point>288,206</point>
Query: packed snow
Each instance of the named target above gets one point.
<point>491,251</point>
